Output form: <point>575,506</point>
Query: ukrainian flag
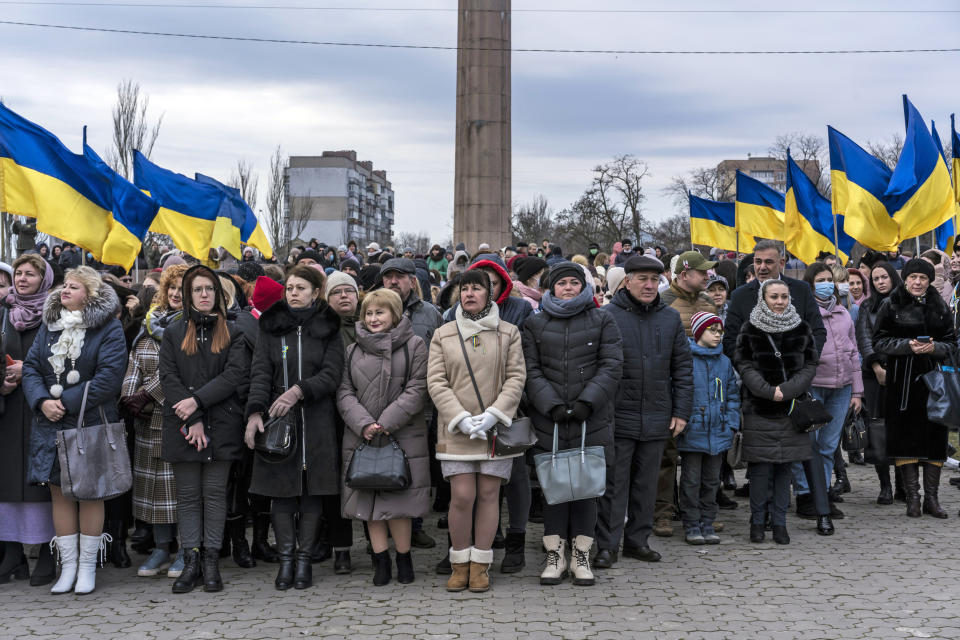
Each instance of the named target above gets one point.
<point>71,196</point>
<point>759,208</point>
<point>192,214</point>
<point>920,195</point>
<point>242,216</point>
<point>945,232</point>
<point>955,145</point>
<point>858,182</point>
<point>713,224</point>
<point>810,219</point>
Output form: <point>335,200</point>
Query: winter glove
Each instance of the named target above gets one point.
<point>559,414</point>
<point>465,426</point>
<point>580,411</point>
<point>483,423</point>
<point>138,405</point>
<point>285,401</point>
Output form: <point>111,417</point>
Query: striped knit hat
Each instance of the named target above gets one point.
<point>701,320</point>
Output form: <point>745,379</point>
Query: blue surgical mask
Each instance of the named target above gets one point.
<point>823,290</point>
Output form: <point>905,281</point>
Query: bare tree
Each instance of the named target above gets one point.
<point>532,222</point>
<point>888,152</point>
<point>581,224</point>
<point>419,241</point>
<point>673,233</point>
<point>810,153</point>
<point>704,182</point>
<point>131,128</point>
<point>246,180</point>
<point>275,225</point>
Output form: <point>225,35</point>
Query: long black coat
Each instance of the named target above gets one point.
<point>15,425</point>
<point>900,319</point>
<point>768,434</point>
<point>321,349</point>
<point>215,380</point>
<point>657,382</point>
<point>570,359</point>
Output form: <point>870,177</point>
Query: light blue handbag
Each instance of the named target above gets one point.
<point>571,474</point>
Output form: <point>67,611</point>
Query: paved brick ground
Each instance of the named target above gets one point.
<point>880,576</point>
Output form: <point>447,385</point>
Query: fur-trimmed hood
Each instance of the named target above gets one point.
<point>97,311</point>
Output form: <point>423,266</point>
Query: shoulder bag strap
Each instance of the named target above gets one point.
<point>406,367</point>
<point>779,356</point>
<point>283,356</point>
<point>473,378</point>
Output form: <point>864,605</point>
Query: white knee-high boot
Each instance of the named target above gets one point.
<point>66,548</point>
<point>90,546</point>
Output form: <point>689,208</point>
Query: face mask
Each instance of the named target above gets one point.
<point>593,252</point>
<point>823,290</point>
<point>843,288</point>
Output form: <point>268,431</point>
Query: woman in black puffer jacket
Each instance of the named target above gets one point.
<point>203,363</point>
<point>777,360</point>
<point>573,352</point>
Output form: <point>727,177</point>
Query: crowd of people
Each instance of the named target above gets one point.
<point>678,367</point>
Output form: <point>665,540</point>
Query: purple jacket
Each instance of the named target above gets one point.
<point>840,359</point>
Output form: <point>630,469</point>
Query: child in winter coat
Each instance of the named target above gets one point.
<point>715,417</point>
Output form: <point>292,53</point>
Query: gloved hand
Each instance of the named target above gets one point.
<point>465,426</point>
<point>559,414</point>
<point>478,435</point>
<point>581,411</point>
<point>286,401</point>
<point>483,422</point>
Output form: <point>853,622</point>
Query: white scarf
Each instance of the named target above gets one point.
<point>68,345</point>
<point>469,328</point>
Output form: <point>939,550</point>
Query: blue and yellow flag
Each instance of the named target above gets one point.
<point>809,219</point>
<point>920,195</point>
<point>192,214</point>
<point>858,182</point>
<point>713,224</point>
<point>955,146</point>
<point>242,216</point>
<point>74,197</point>
<point>759,208</point>
<point>946,231</point>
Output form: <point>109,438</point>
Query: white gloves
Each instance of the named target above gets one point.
<point>465,426</point>
<point>481,424</point>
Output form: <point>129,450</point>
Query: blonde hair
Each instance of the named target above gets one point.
<point>88,277</point>
<point>385,298</point>
<point>580,259</point>
<point>840,274</point>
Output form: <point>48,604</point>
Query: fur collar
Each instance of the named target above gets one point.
<point>278,320</point>
<point>97,311</point>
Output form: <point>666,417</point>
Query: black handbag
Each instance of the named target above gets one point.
<point>384,468</point>
<point>735,453</point>
<point>854,431</point>
<point>806,412</point>
<point>943,402</point>
<point>504,441</point>
<point>875,447</point>
<point>278,441</point>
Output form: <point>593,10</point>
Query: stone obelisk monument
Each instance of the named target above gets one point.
<point>481,194</point>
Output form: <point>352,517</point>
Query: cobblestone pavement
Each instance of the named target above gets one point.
<point>880,576</point>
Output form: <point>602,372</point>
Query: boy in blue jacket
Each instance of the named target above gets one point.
<point>715,417</point>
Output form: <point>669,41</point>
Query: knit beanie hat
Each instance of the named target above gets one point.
<point>918,265</point>
<point>701,320</point>
<point>526,268</point>
<point>250,271</point>
<point>266,292</point>
<point>336,279</point>
<point>565,270</point>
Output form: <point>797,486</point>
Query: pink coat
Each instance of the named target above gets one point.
<point>840,358</point>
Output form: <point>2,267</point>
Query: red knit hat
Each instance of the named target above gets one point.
<point>701,320</point>
<point>266,293</point>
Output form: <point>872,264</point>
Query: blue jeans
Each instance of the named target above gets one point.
<point>826,439</point>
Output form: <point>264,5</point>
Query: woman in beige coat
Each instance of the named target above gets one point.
<point>383,390</point>
<point>496,359</point>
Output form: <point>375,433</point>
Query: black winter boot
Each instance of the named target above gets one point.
<point>117,552</point>
<point>886,488</point>
<point>382,571</point>
<point>192,574</point>
<point>931,490</point>
<point>911,486</point>
<point>840,471</point>
<point>899,493</point>
<point>225,540</point>
<point>45,570</point>
<point>805,506</point>
<point>341,563</point>
<point>211,571</point>
<point>284,530</point>
<point>261,547</point>
<point>513,557</point>
<point>307,530</point>
<point>404,568</point>
<point>238,539</point>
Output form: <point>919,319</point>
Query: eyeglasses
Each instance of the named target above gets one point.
<point>342,291</point>
<point>715,328</point>
<point>204,289</point>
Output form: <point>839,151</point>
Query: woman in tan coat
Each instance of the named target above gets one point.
<point>496,359</point>
<point>383,390</point>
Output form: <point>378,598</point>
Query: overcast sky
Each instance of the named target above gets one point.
<point>224,101</point>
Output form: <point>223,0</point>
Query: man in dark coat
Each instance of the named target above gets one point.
<point>654,403</point>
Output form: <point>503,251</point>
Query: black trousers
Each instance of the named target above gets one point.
<point>631,490</point>
<point>570,519</point>
<point>340,536</point>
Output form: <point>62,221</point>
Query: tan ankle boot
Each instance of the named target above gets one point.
<point>460,563</point>
<point>480,562</point>
<point>580,561</point>
<point>556,569</point>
